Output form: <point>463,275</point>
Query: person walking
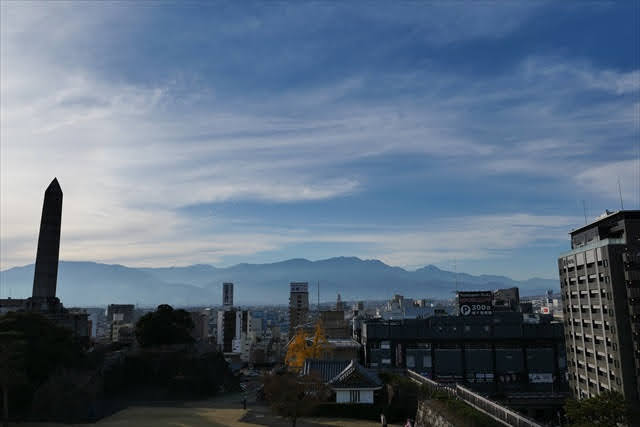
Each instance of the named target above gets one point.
<point>383,420</point>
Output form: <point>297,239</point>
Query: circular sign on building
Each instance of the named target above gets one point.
<point>465,310</point>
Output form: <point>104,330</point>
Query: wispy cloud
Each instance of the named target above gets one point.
<point>137,136</point>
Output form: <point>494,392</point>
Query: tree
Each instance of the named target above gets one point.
<point>293,396</point>
<point>606,409</point>
<point>165,326</point>
<point>11,370</point>
<point>31,348</point>
<point>297,352</point>
<point>319,344</point>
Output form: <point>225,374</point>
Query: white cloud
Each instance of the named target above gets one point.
<point>128,156</point>
<point>603,180</point>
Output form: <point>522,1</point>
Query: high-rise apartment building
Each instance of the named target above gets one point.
<point>600,282</point>
<point>298,305</point>
<point>227,295</point>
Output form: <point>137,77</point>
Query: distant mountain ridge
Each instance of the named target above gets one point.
<point>90,283</point>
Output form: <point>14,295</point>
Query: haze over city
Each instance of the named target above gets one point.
<point>258,133</point>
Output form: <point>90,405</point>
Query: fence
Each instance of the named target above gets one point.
<point>433,386</point>
<point>496,411</point>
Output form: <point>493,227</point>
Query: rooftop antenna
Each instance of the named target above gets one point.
<point>584,209</point>
<point>620,193</point>
<point>455,269</point>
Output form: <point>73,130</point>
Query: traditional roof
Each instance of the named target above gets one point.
<point>342,374</point>
<point>339,342</point>
<point>355,376</point>
<point>326,369</point>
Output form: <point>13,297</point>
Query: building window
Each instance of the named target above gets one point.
<point>426,361</point>
<point>354,396</point>
<point>411,362</point>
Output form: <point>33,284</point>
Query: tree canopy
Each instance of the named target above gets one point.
<point>319,343</point>
<point>298,350</point>
<point>32,348</point>
<point>606,409</point>
<point>165,326</point>
<point>44,345</point>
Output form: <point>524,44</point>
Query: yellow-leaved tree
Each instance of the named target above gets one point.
<point>319,344</point>
<point>297,351</point>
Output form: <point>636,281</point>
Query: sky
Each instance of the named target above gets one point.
<point>467,135</point>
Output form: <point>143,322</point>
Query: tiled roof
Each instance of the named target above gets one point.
<point>327,369</point>
<point>355,376</point>
<point>342,373</point>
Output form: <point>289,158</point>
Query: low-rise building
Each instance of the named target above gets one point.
<point>349,380</point>
<point>492,352</point>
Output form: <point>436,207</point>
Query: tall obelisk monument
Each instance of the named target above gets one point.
<point>46,272</point>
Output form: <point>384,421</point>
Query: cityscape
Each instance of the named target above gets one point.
<point>260,293</point>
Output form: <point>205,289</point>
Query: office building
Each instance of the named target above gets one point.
<point>493,353</point>
<point>227,295</point>
<point>298,305</point>
<point>600,283</point>
<point>233,327</point>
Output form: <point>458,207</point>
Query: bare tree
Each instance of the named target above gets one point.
<point>293,396</point>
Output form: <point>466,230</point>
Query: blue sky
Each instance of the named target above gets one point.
<point>414,133</point>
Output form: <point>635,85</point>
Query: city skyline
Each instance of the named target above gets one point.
<point>413,135</point>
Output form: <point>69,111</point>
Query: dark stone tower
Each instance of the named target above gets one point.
<point>46,271</point>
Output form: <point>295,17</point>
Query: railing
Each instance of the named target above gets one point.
<point>496,411</point>
<point>433,386</point>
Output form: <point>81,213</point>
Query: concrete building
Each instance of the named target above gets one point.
<point>298,305</point>
<point>506,299</point>
<point>334,323</point>
<point>493,353</point>
<point>123,332</point>
<point>124,313</point>
<point>200,331</point>
<point>227,295</point>
<point>600,283</point>
<point>400,307</point>
<point>233,334</point>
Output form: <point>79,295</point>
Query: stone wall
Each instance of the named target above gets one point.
<point>427,416</point>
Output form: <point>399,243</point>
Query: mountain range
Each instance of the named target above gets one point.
<point>94,284</point>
